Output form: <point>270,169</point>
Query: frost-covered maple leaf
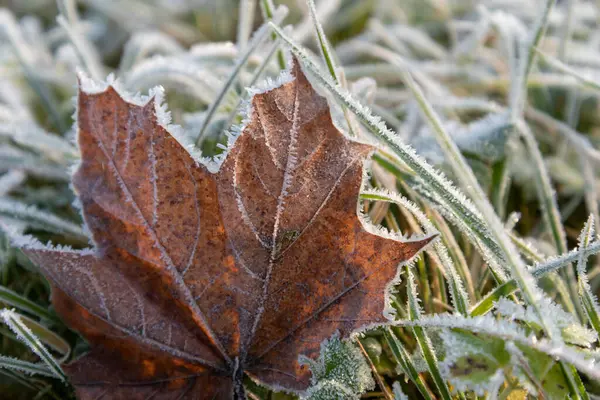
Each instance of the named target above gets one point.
<point>198,277</point>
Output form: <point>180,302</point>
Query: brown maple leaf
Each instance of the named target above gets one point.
<point>198,278</point>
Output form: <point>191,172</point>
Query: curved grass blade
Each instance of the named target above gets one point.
<point>14,322</point>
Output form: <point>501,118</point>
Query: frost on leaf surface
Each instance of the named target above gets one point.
<point>200,277</point>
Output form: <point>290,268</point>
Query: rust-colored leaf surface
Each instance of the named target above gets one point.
<point>200,278</point>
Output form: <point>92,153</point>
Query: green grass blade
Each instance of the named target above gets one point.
<point>14,322</point>
<point>245,22</point>
<point>14,299</point>
<point>24,366</point>
<point>549,206</point>
<point>518,93</point>
<point>268,10</point>
<point>49,338</point>
<point>423,340</point>
<point>505,330</point>
<point>588,300</point>
<point>324,46</point>
<point>403,359</point>
<point>89,59</point>
<point>539,270</point>
<point>40,219</point>
<point>562,67</point>
<point>329,57</point>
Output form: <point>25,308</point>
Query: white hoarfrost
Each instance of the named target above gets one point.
<point>509,331</point>
<point>13,320</point>
<point>572,332</point>
<point>340,367</point>
<point>37,218</point>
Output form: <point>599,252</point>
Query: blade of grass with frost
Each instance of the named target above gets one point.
<point>323,42</point>
<point>13,321</point>
<point>402,65</point>
<point>488,249</point>
<point>259,37</point>
<point>377,28</point>
<point>11,180</point>
<point>213,51</point>
<point>25,367</point>
<point>526,249</point>
<point>562,67</point>
<point>387,116</point>
<point>68,9</point>
<point>471,44</point>
<point>573,106</point>
<point>32,136</point>
<point>21,49</point>
<point>327,9</point>
<point>403,359</point>
<point>577,139</point>
<point>433,180</point>
<point>40,219</point>
<point>255,77</point>
<point>588,300</point>
<point>85,50</point>
<point>146,13</point>
<point>532,255</point>
<point>567,29</point>
<point>14,299</point>
<point>199,82</point>
<point>460,299</point>
<point>12,158</point>
<point>591,191</point>
<point>467,104</point>
<point>572,103</point>
<point>509,331</point>
<point>414,314</point>
<point>549,207</point>
<point>456,253</point>
<point>418,39</point>
<point>143,43</point>
<point>500,184</point>
<point>538,270</point>
<point>390,164</point>
<point>47,337</point>
<point>245,21</point>
<point>518,93</point>
<point>328,56</point>
<point>268,8</point>
<point>545,191</point>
